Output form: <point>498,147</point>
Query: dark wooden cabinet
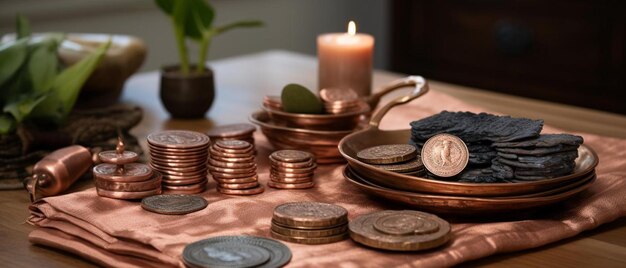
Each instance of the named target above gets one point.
<point>572,52</point>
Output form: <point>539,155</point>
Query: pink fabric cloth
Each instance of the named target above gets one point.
<point>121,234</point>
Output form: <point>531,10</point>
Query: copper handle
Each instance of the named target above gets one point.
<point>421,87</point>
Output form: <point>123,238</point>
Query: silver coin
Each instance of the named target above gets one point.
<point>195,253</point>
<point>174,204</point>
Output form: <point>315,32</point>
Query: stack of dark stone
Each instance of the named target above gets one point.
<point>502,148</point>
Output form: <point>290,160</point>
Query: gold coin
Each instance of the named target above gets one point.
<point>387,154</point>
<point>445,155</point>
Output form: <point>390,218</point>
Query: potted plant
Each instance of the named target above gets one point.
<point>187,90</point>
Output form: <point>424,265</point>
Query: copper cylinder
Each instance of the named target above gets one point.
<point>57,171</point>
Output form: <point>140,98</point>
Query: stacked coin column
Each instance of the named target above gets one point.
<point>232,165</point>
<point>181,156</point>
<point>292,169</point>
<point>118,177</point>
<point>242,132</point>
<point>310,223</point>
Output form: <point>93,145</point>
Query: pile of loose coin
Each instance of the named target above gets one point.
<point>236,251</point>
<point>310,223</point>
<point>181,156</point>
<point>404,230</point>
<point>292,169</point>
<point>340,100</point>
<point>232,165</point>
<point>119,177</point>
<point>399,158</point>
<point>242,132</point>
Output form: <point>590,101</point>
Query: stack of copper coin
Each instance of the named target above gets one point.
<point>119,177</point>
<point>399,158</point>
<point>181,156</point>
<point>273,102</point>
<point>310,223</point>
<point>292,169</point>
<point>242,132</point>
<point>233,167</point>
<point>340,100</point>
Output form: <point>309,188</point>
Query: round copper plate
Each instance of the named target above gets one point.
<point>461,205</point>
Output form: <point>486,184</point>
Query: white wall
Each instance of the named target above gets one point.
<point>290,24</point>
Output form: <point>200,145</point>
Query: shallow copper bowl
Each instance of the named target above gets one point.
<point>465,205</point>
<point>372,136</point>
<point>345,121</point>
<point>321,143</point>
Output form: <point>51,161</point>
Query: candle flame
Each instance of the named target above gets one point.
<point>351,28</point>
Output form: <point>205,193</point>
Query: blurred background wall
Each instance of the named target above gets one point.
<point>290,24</point>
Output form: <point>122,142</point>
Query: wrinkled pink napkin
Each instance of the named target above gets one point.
<point>120,233</point>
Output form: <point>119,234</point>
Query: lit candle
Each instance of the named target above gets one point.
<point>345,60</point>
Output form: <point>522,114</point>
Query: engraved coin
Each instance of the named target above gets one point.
<point>243,129</point>
<point>194,253</point>
<point>178,139</point>
<point>130,172</point>
<point>405,167</point>
<point>112,157</point>
<point>310,240</point>
<point>174,204</point>
<point>445,155</point>
<point>405,230</point>
<point>310,214</point>
<point>291,156</point>
<point>387,154</point>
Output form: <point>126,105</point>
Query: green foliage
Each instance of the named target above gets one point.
<point>32,86</point>
<point>299,99</point>
<point>193,19</point>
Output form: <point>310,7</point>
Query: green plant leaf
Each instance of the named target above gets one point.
<point>23,27</point>
<point>166,6</point>
<point>6,124</point>
<point>178,19</point>
<point>23,106</point>
<point>12,56</point>
<point>238,24</point>
<point>43,65</point>
<point>66,86</point>
<point>199,19</point>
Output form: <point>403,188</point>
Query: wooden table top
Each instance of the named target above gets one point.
<point>242,82</point>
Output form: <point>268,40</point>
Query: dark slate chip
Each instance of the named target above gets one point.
<point>471,127</point>
<point>557,158</point>
<point>545,140</point>
<point>538,151</point>
<point>507,155</point>
<point>481,175</point>
<point>481,159</point>
<point>502,171</point>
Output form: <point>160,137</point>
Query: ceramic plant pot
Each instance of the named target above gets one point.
<point>187,96</point>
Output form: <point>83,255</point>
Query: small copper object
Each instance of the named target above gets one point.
<point>292,169</point>
<point>57,171</point>
<point>404,230</point>
<point>309,223</point>
<point>387,154</point>
<point>273,102</point>
<point>340,100</point>
<point>445,155</point>
<point>120,178</point>
<point>181,156</point>
<point>235,178</point>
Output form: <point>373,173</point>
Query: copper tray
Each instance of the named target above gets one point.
<point>372,136</point>
<point>463,205</point>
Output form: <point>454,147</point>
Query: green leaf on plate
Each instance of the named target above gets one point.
<point>23,27</point>
<point>298,99</point>
<point>12,56</point>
